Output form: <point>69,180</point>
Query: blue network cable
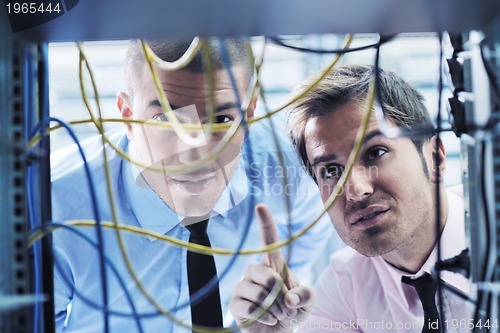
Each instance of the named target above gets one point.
<point>46,123</point>
<point>113,268</point>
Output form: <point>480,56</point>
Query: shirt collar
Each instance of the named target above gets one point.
<point>154,215</point>
<point>452,240</point>
<point>235,192</point>
<point>150,210</point>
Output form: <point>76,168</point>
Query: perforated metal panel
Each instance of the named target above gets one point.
<point>14,255</point>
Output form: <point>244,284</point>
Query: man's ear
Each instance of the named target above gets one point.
<point>251,110</point>
<point>438,160</point>
<point>250,113</point>
<point>124,106</point>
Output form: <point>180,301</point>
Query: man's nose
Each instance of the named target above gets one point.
<point>191,153</point>
<point>359,184</point>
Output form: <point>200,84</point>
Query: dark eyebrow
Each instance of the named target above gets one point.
<point>371,135</point>
<point>222,107</point>
<point>226,106</point>
<point>325,158</point>
<point>156,104</point>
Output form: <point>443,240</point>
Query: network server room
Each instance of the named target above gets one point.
<point>126,125</point>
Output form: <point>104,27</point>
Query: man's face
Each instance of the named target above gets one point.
<point>189,192</point>
<point>387,203</point>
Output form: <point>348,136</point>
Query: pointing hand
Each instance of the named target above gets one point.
<point>269,296</point>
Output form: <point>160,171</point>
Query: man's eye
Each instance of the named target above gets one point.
<point>375,153</point>
<point>332,171</point>
<point>221,119</point>
<point>160,117</point>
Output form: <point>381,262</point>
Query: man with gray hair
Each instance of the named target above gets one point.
<point>195,177</point>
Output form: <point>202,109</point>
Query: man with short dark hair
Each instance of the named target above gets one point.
<point>183,159</point>
<point>387,212</point>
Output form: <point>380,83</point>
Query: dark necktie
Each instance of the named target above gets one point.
<point>201,269</point>
<point>426,290</point>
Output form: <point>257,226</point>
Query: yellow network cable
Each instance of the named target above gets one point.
<point>169,113</point>
<point>301,232</point>
<point>180,63</point>
<point>210,80</point>
<point>348,166</point>
<point>164,65</point>
<point>197,248</point>
<point>190,246</point>
<point>271,298</point>
<point>114,215</point>
<point>97,122</point>
<point>313,84</point>
<point>121,244</point>
<point>220,127</point>
<point>190,127</point>
<point>347,171</point>
<point>143,232</point>
<point>115,226</point>
<point>188,167</point>
<point>217,150</point>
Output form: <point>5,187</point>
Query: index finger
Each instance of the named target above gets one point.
<point>269,235</point>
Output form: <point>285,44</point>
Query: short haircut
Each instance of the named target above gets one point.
<point>402,104</point>
<point>239,52</point>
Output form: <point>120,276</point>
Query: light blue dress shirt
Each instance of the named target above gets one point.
<point>160,266</point>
